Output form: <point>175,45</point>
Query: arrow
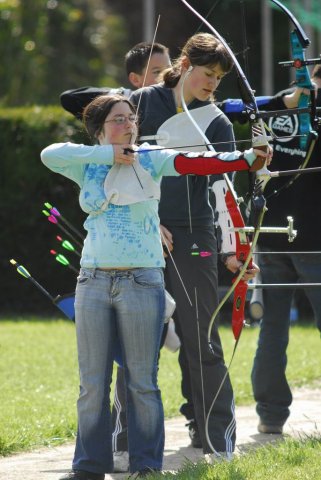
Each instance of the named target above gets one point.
<point>284,173</point>
<point>283,285</point>
<point>65,303</point>
<point>24,272</point>
<point>63,261</point>
<point>54,211</point>
<point>67,245</point>
<point>54,220</point>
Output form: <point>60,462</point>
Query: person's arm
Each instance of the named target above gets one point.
<point>212,163</point>
<point>166,161</point>
<point>75,100</point>
<point>70,159</point>
<point>234,108</point>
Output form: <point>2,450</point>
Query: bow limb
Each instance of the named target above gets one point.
<point>259,137</point>
<point>308,122</point>
<point>299,43</point>
<point>239,287</point>
<point>245,250</point>
<point>259,140</point>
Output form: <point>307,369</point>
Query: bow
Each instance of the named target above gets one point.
<point>259,140</point>
<point>244,248</point>
<point>308,121</point>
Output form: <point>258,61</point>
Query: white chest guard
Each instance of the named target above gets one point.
<point>126,184</point>
<point>178,131</point>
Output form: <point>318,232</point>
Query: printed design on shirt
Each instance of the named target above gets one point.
<point>285,126</point>
<point>92,195</point>
<point>149,225</point>
<point>147,164</point>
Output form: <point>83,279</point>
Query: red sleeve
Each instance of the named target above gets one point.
<point>199,165</point>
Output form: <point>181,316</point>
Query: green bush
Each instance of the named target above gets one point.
<point>25,184</point>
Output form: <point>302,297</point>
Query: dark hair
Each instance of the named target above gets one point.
<point>95,113</point>
<point>316,72</point>
<point>137,57</point>
<point>202,49</point>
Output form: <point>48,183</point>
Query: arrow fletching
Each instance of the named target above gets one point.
<point>62,259</point>
<point>66,244</point>
<point>55,212</point>
<point>52,219</point>
<point>20,269</point>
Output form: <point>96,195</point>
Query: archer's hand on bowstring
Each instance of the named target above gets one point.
<point>124,154</point>
<point>234,265</point>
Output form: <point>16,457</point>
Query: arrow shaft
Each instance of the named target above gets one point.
<point>67,232</point>
<point>254,286</point>
<point>69,225</point>
<point>284,173</point>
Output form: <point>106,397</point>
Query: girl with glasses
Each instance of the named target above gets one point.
<point>120,290</point>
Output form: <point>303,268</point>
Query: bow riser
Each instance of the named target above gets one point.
<point>243,248</point>
<point>303,80</point>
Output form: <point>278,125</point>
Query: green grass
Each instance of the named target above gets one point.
<point>39,384</point>
<point>304,359</point>
<point>288,460</point>
<point>39,378</point>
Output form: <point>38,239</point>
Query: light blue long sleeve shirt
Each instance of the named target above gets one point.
<point>119,236</point>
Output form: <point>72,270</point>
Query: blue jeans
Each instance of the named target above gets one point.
<point>270,387</point>
<point>127,305</point>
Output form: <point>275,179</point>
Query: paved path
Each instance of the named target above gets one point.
<point>51,463</point>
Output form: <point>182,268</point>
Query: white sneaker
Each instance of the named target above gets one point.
<point>121,462</point>
<point>172,342</point>
<point>212,458</point>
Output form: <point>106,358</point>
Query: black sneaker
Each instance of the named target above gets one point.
<point>194,434</point>
<point>143,473</point>
<point>276,428</point>
<point>82,475</point>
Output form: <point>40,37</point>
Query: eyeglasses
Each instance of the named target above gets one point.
<point>121,119</point>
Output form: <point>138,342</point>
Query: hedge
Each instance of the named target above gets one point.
<point>25,184</point>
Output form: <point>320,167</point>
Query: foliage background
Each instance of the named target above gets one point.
<point>49,46</point>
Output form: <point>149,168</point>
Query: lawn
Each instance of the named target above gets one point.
<point>39,377</point>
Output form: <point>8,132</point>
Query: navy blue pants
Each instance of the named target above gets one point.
<point>270,386</point>
<point>202,371</point>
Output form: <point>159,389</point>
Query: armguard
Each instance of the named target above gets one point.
<point>207,164</point>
